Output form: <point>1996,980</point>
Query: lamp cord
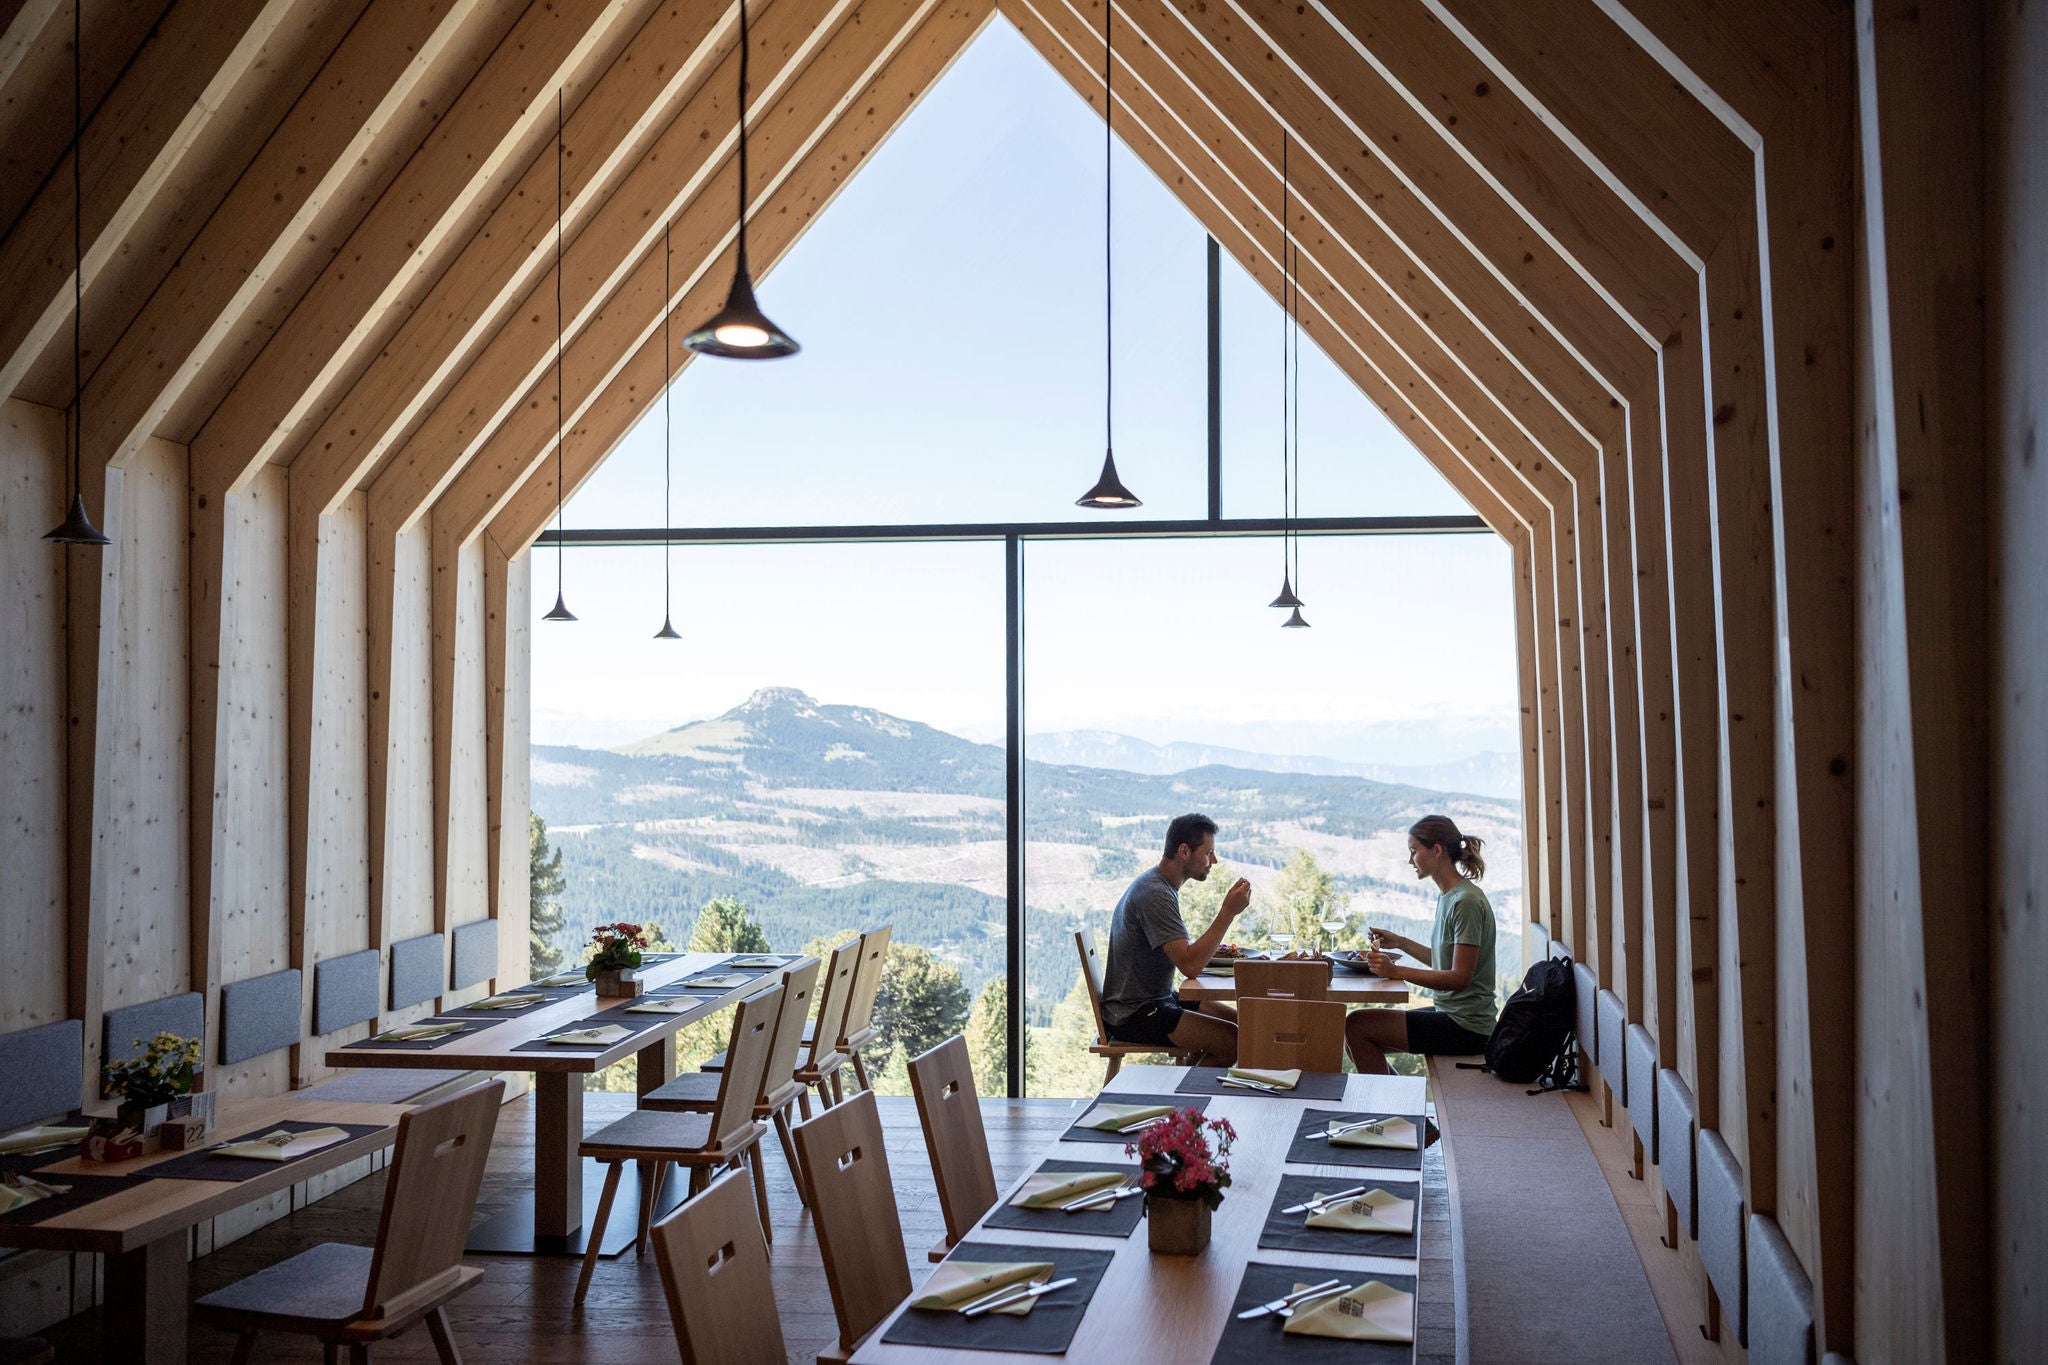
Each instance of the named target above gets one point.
<point>559,496</point>
<point>1286,407</point>
<point>743,138</point>
<point>667,474</point>
<point>1108,287</point>
<point>78,248</point>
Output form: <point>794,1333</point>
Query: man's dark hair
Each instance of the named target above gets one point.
<point>1188,829</point>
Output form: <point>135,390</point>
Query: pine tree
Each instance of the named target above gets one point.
<point>1303,897</point>
<point>921,1003</point>
<point>546,882</point>
<point>988,1037</point>
<point>726,925</point>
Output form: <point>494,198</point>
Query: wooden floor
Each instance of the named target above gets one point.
<point>523,1312</point>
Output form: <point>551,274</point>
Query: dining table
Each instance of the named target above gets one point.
<point>549,1219</point>
<point>1170,1308</point>
<point>1349,988</point>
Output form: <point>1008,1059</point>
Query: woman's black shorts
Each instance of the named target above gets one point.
<point>1432,1032</point>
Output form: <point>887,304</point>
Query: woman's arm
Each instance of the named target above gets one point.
<point>1464,962</point>
<point>1389,939</point>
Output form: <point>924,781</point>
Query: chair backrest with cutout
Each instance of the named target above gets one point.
<point>799,985</point>
<point>437,1167</point>
<point>1285,1034</point>
<point>859,1025</point>
<point>746,1062</point>
<point>1091,972</point>
<point>1299,980</point>
<point>854,1204</point>
<point>947,1107</point>
<point>714,1269</point>
<point>835,992</point>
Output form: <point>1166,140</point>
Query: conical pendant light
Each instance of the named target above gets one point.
<point>668,630</point>
<point>77,528</point>
<point>740,330</point>
<point>1294,622</point>
<point>1286,599</point>
<point>560,611</point>
<point>1109,491</point>
<point>1292,253</point>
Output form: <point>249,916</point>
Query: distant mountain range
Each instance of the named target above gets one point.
<point>824,817</point>
<point>1487,774</point>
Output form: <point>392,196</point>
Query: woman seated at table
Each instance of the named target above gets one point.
<point>1459,953</point>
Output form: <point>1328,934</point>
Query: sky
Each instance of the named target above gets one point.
<point>950,305</point>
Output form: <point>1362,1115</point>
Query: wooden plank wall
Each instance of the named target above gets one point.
<point>1728,316</point>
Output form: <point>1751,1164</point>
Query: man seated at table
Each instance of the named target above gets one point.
<point>1148,939</point>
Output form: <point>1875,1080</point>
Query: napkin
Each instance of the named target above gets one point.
<point>1110,1117</point>
<point>586,1037</point>
<point>722,980</point>
<point>1284,1080</point>
<point>670,1005</point>
<point>565,979</point>
<point>413,1033</point>
<point>28,1191</point>
<point>956,1283</point>
<point>29,1139</point>
<point>1371,1312</point>
<point>1386,1133</point>
<point>507,1002</point>
<point>283,1144</point>
<point>1049,1191</point>
<point>1373,1211</point>
<point>755,962</point>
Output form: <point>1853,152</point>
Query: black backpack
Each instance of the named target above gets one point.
<point>1535,1039</point>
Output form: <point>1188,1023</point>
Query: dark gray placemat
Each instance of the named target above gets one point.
<point>1076,1133</point>
<point>540,1044</point>
<point>1048,1329</point>
<point>469,1026</point>
<point>206,1165</point>
<point>82,1190</point>
<point>1287,1231</point>
<point>781,960</point>
<point>1308,1151</point>
<point>1118,1220</point>
<point>470,1011</point>
<point>1258,1341</point>
<point>696,979</point>
<point>1313,1085</point>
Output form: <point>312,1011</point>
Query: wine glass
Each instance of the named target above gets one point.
<point>1283,939</point>
<point>1331,928</point>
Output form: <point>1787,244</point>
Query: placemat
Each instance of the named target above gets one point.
<point>781,960</point>
<point>204,1164</point>
<point>471,1011</point>
<point>1257,1341</point>
<point>469,1026</point>
<point>83,1190</point>
<point>1048,1329</point>
<point>1313,1085</point>
<point>696,980</point>
<point>638,1023</point>
<point>1118,1220</point>
<point>1305,1150</point>
<point>1286,1232</point>
<point>1076,1133</point>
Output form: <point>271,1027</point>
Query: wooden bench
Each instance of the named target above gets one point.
<point>1544,1266</point>
<point>390,1087</point>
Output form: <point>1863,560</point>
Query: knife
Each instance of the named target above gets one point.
<point>1320,1201</point>
<point>1250,1085</point>
<point>1370,1125</point>
<point>1290,1310</point>
<point>1286,1300</point>
<point>1142,1124</point>
<point>1009,1294</point>
<point>1105,1196</point>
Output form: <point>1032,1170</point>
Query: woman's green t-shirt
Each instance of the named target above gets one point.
<point>1464,916</point>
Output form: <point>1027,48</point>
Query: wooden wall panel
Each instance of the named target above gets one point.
<point>32,598</point>
<point>508,769</point>
<point>464,893</point>
<point>404,894</point>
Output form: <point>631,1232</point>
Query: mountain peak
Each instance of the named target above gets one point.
<point>776,699</point>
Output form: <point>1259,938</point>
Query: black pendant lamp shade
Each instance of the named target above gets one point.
<point>560,611</point>
<point>1286,598</point>
<point>668,630</point>
<point>1294,622</point>
<point>740,330</point>
<point>1109,493</point>
<point>77,528</point>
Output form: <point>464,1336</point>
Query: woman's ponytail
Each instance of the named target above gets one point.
<point>1440,831</point>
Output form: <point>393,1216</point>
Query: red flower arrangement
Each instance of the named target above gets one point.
<point>1185,1157</point>
<point>618,947</point>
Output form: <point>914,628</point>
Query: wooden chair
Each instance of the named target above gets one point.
<point>822,1063</point>
<point>1298,980</point>
<point>714,1269</point>
<point>949,1110</point>
<point>1103,1046</point>
<point>728,1135</point>
<point>854,1205</point>
<point>858,1029</point>
<point>1286,1034</point>
<point>350,1295</point>
<point>696,1092</point>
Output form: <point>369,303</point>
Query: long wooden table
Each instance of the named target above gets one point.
<point>1347,987</point>
<point>143,1230</point>
<point>556,1221</point>
<point>1174,1308</point>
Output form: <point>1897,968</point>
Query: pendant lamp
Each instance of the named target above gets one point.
<point>668,630</point>
<point>1109,492</point>
<point>1292,445</point>
<point>560,611</point>
<point>77,528</point>
<point>740,330</point>
<point>1286,598</point>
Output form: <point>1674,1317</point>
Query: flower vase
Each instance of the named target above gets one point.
<point>624,982</point>
<point>1176,1227</point>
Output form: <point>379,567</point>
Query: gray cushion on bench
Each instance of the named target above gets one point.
<point>184,1015</point>
<point>260,1015</point>
<point>1613,1056</point>
<point>345,990</point>
<point>1588,1002</point>
<point>415,970</point>
<point>1780,1298</point>
<point>1721,1219</point>
<point>1676,1115</point>
<point>1558,950</point>
<point>44,1067</point>
<point>379,1085</point>
<point>1642,1085</point>
<point>476,952</point>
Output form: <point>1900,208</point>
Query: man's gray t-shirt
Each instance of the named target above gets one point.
<point>1139,972</point>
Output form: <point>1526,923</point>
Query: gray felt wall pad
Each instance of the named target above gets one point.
<point>1676,1115</point>
<point>1588,1002</point>
<point>1613,1056</point>
<point>1780,1298</point>
<point>1642,1085</point>
<point>260,1015</point>
<point>43,1066</point>
<point>346,990</point>
<point>1721,1219</point>
<point>1517,1163</point>
<point>184,1015</point>
<point>476,952</point>
<point>415,970</point>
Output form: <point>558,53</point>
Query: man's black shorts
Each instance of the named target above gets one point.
<point>1432,1032</point>
<point>1153,1023</point>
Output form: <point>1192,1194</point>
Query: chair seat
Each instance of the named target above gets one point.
<point>691,1092</point>
<point>655,1135</point>
<point>1127,1049</point>
<point>323,1285</point>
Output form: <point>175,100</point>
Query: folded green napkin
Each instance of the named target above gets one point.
<point>957,1283</point>
<point>1373,1211</point>
<point>283,1144</point>
<point>1051,1189</point>
<point>1279,1080</point>
<point>413,1033</point>
<point>1396,1133</point>
<point>1371,1312</point>
<point>586,1037</point>
<point>1111,1117</point>
<point>510,1001</point>
<point>29,1139</point>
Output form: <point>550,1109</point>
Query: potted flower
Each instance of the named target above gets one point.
<point>617,954</point>
<point>1185,1169</point>
<point>150,1084</point>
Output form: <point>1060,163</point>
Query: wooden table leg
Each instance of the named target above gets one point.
<point>557,1170</point>
<point>144,1312</point>
<point>657,1064</point>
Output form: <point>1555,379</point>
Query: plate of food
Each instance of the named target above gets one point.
<point>1228,955</point>
<point>1353,960</point>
